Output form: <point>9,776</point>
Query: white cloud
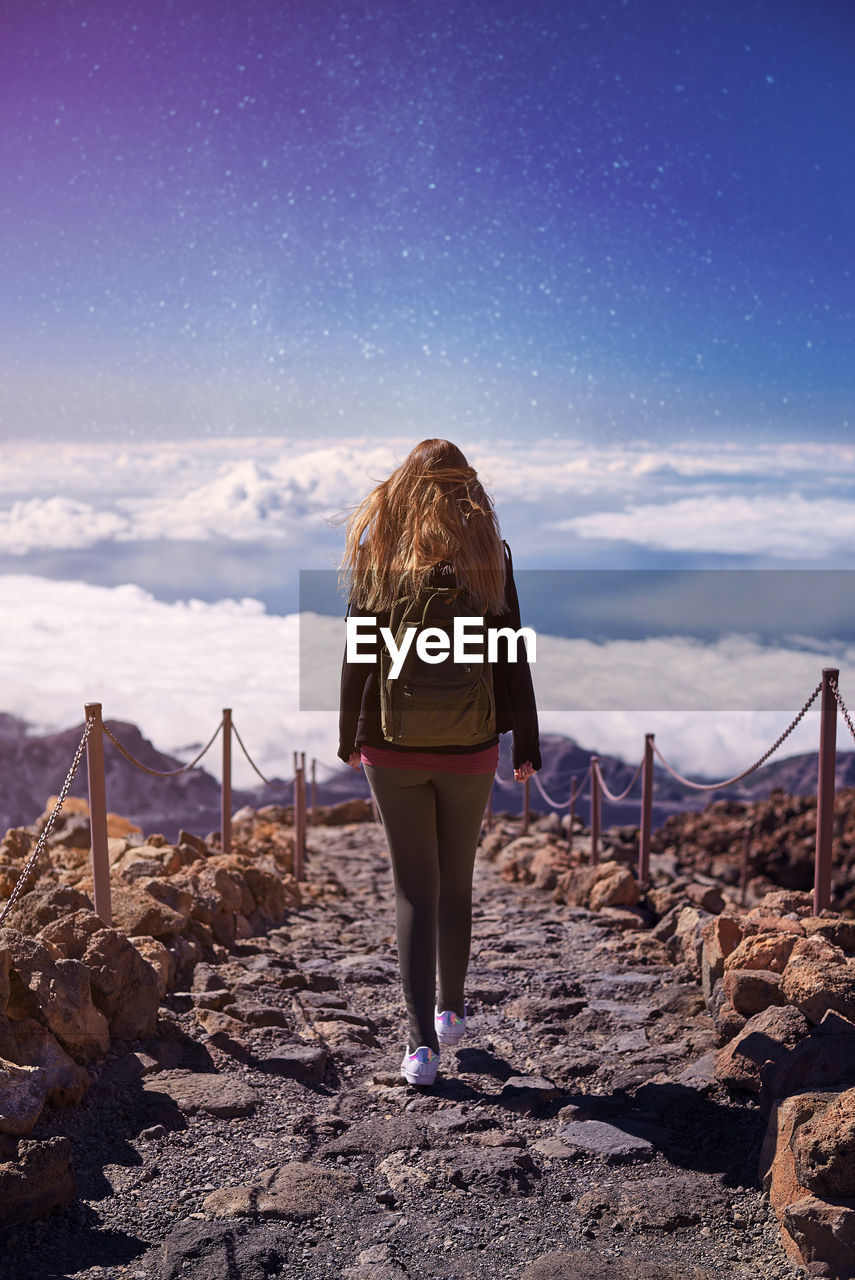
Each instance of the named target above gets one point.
<point>40,524</point>
<point>171,668</point>
<point>785,525</point>
<point>778,500</point>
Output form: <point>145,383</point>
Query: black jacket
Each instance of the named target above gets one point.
<point>359,709</point>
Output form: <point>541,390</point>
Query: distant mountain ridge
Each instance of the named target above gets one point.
<point>33,767</point>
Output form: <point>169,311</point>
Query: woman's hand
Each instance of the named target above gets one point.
<point>355,760</point>
<point>525,770</point>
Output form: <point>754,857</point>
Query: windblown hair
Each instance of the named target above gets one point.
<point>431,509</point>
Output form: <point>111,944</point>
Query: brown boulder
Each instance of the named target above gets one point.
<point>137,912</point>
<point>720,936</point>
<point>22,1097</point>
<point>57,992</point>
<point>124,986</point>
<point>752,990</point>
<point>37,1182</point>
<point>817,986</point>
<point>707,896</point>
<point>65,1080</point>
<point>689,938</point>
<point>824,1149</point>
<point>42,905</point>
<point>219,888</point>
<point>823,1232</point>
<point>782,902</point>
<point>71,1015</point>
<point>577,886</point>
<point>770,950</point>
<point>515,858</point>
<point>771,924</point>
<point>777,1169</point>
<point>837,930</point>
<point>619,889</point>
<point>71,933</point>
<point>160,959</point>
<point>823,1060</point>
<point>170,892</point>
<point>728,1023</point>
<point>765,1038</point>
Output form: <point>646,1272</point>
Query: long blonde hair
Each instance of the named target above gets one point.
<point>432,508</point>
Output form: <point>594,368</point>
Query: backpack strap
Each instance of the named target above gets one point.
<point>508,555</point>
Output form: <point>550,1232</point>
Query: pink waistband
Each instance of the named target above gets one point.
<point>450,761</point>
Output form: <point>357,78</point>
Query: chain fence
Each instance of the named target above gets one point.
<point>48,827</point>
<point>562,804</point>
<point>609,794</point>
<point>842,705</point>
<point>161,773</point>
<point>727,782</point>
<point>268,782</point>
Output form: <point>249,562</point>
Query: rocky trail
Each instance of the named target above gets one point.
<point>577,1133</point>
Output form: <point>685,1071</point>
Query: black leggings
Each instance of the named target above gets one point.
<point>432,819</point>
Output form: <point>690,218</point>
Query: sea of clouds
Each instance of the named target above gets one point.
<point>161,580</point>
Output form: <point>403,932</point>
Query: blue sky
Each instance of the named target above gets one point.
<point>610,219</point>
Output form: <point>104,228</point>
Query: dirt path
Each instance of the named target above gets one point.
<point>570,1135</point>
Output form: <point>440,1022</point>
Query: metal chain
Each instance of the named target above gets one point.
<point>841,704</point>
<point>40,843</point>
<point>608,794</point>
<point>162,773</point>
<point>714,786</point>
<point>267,781</point>
<point>564,804</point>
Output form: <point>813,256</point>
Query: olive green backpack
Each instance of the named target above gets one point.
<point>443,703</point>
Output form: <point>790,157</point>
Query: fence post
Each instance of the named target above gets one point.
<point>303,807</point>
<point>98,814</point>
<point>526,809</point>
<point>595,811</point>
<point>314,793</point>
<point>226,789</point>
<point>646,811</point>
<point>571,817</point>
<point>825,793</point>
<point>299,820</point>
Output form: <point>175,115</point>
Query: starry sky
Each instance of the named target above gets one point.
<point>301,218</point>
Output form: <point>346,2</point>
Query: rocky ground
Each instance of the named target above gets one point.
<point>578,1131</point>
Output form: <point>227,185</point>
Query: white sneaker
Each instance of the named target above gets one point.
<point>420,1067</point>
<point>450,1027</point>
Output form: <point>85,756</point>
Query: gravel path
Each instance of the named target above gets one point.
<point>558,1141</point>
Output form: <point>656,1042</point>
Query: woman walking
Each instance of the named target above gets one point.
<point>427,539</point>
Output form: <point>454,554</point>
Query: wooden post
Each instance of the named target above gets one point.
<point>303,808</point>
<point>646,811</point>
<point>98,814</point>
<point>299,822</point>
<point>595,811</point>
<point>825,793</point>
<point>526,807</point>
<point>226,787</point>
<point>572,815</point>
<point>314,793</point>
